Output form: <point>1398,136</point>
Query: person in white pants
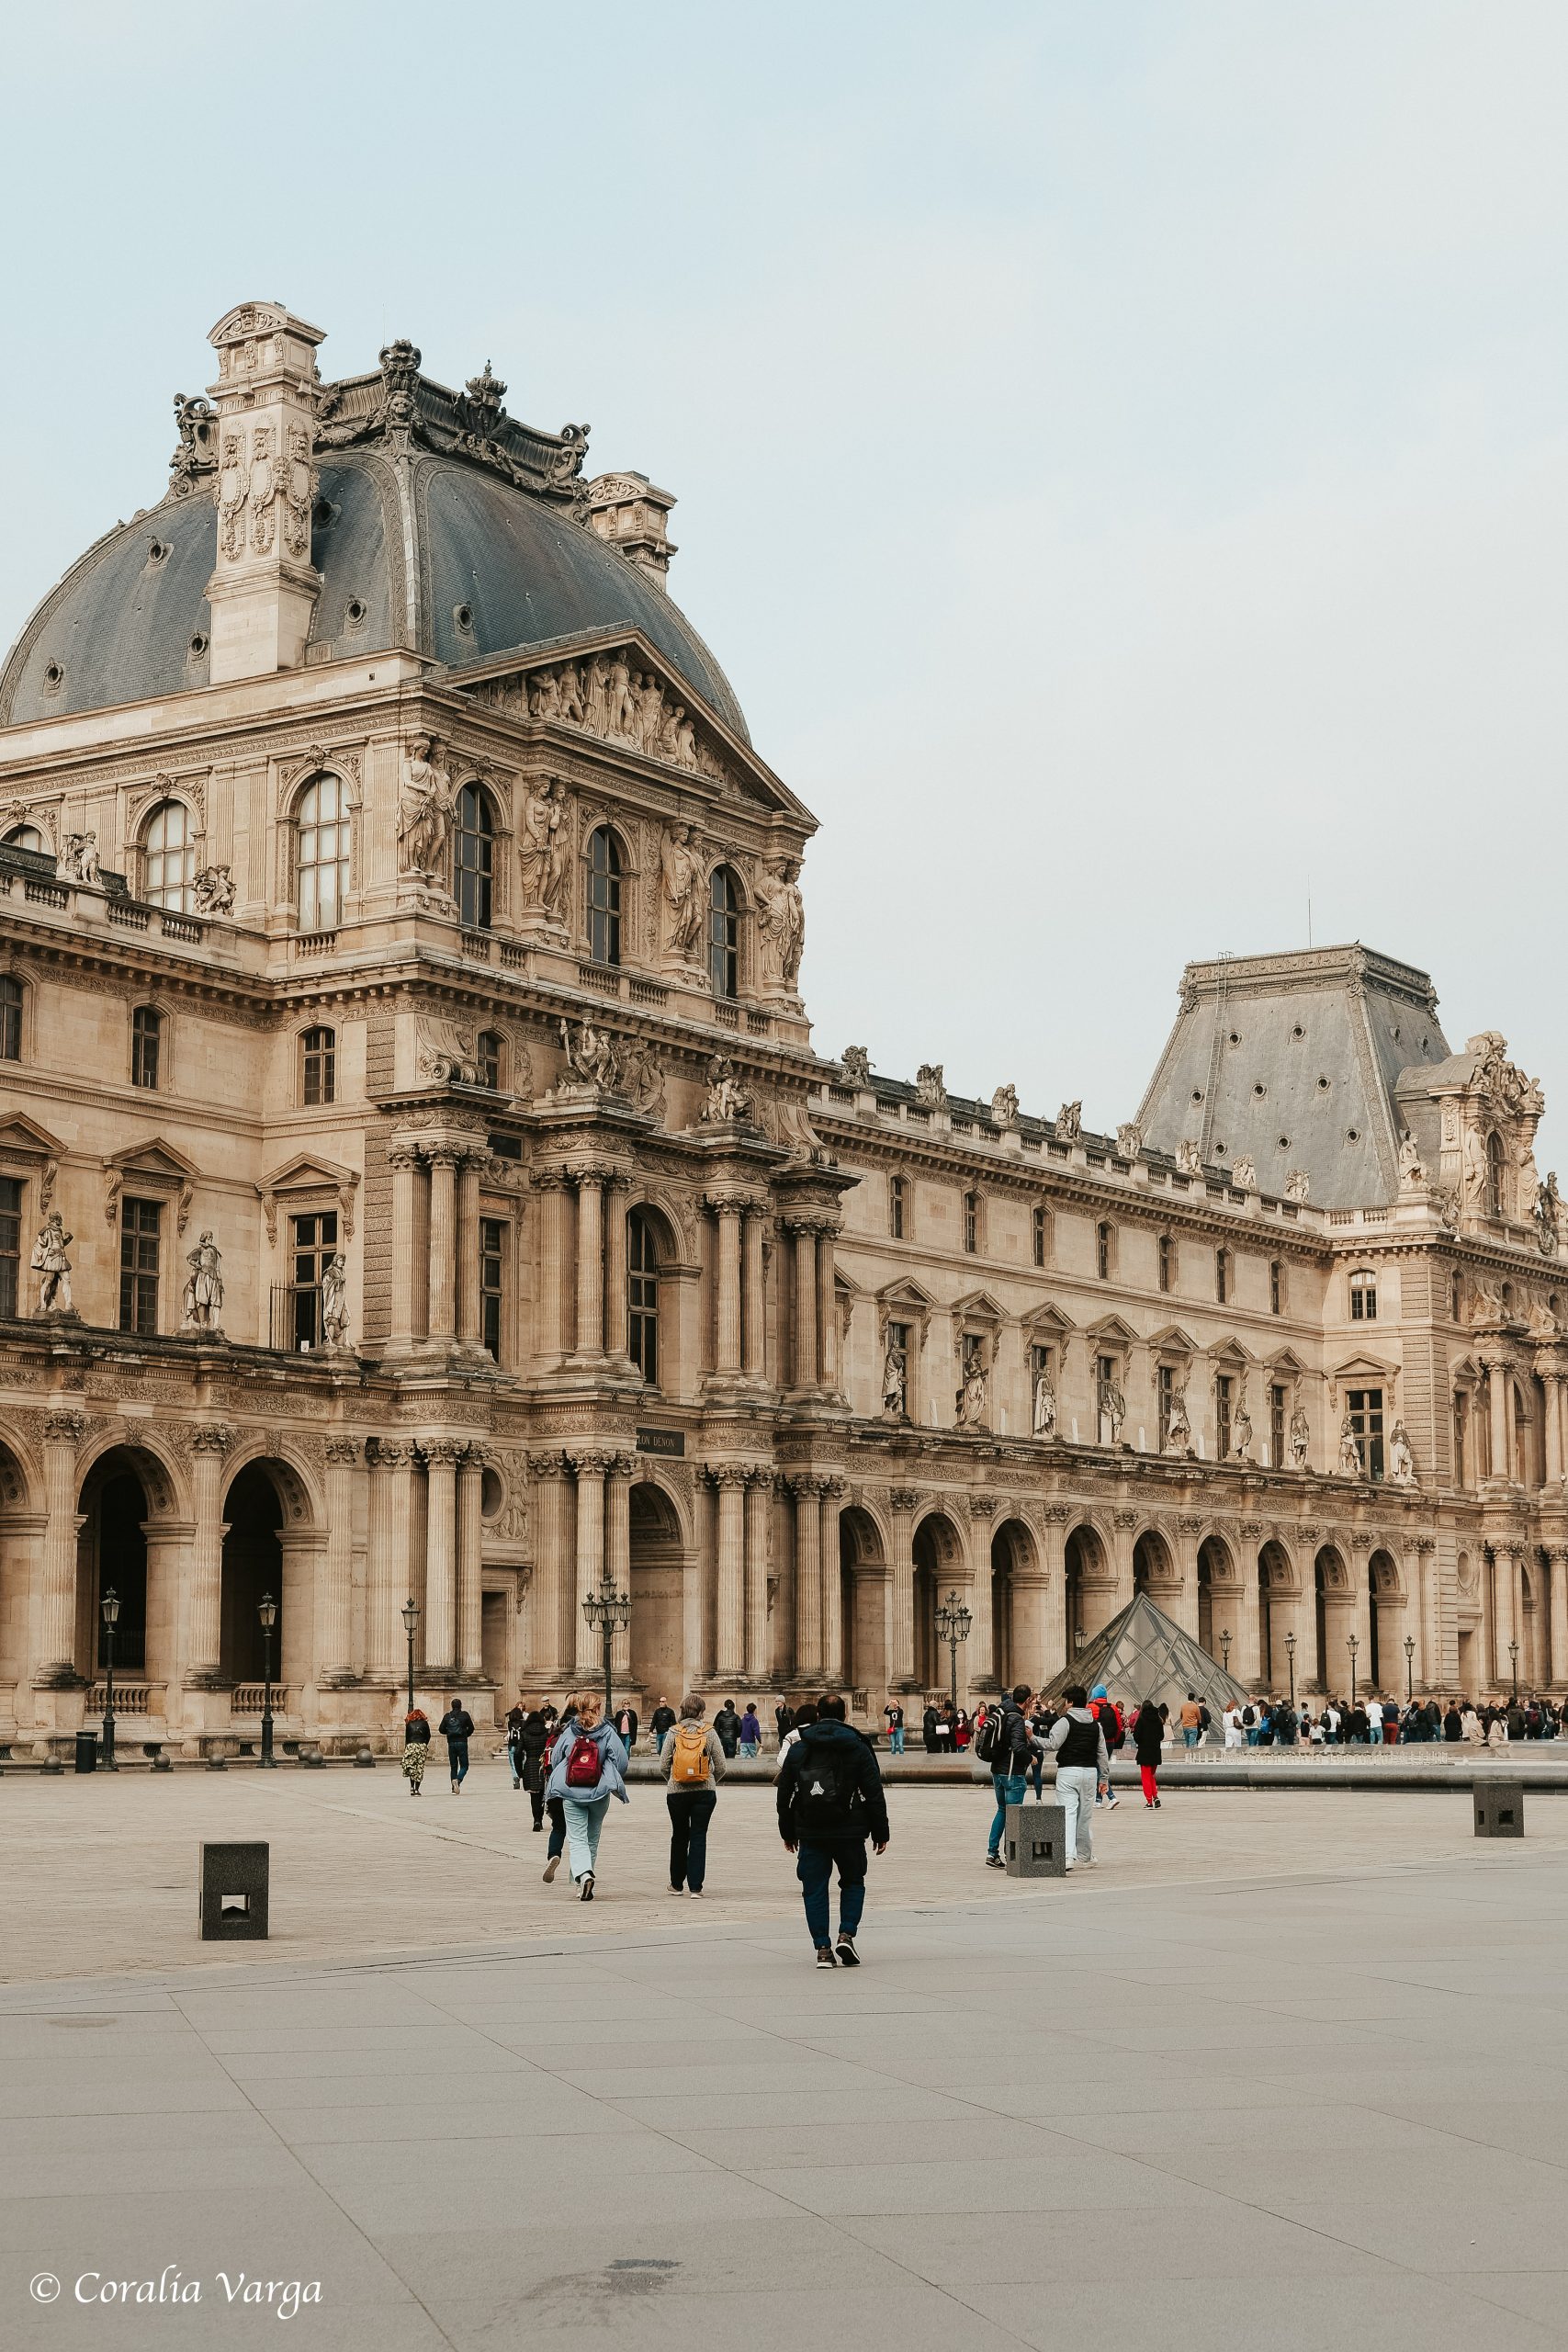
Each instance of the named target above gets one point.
<point>1083,1761</point>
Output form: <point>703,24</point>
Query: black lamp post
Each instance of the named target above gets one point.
<point>1514,1658</point>
<point>1352,1645</point>
<point>267,1610</point>
<point>411,1621</point>
<point>1291,1653</point>
<point>1409,1669</point>
<point>953,1623</point>
<point>110,1604</point>
<point>612,1612</point>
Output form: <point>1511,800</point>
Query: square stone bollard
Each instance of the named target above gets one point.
<point>233,1891</point>
<point>1499,1808</point>
<point>1036,1841</point>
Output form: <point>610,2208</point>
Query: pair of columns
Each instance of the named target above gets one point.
<point>814,1298</point>
<point>596,1253</point>
<point>439,1175</point>
<point>745,1496</point>
<point>560,1643</point>
<point>741,1305</point>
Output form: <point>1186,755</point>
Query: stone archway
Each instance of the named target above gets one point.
<point>865,1588</point>
<point>124,1496</point>
<point>1275,1614</point>
<point>1085,1561</point>
<point>1331,1591</point>
<point>1385,1611</point>
<point>938,1552</point>
<point>659,1562</point>
<point>1151,1561</point>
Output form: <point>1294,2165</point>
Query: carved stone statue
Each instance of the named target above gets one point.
<point>1004,1106</point>
<point>1298,1184</point>
<point>680,872</point>
<point>79,858</point>
<point>1400,1460</point>
<point>425,812</point>
<point>1349,1452</point>
<point>215,892</point>
<point>1112,1408</point>
<point>1241,1429</point>
<point>1539,1320</point>
<point>1411,1172</point>
<point>929,1087</point>
<point>1486,1301</point>
<point>642,1078</point>
<point>203,1301</point>
<point>541,860</point>
<point>593,1057</point>
<point>1547,1212</point>
<point>1178,1431</point>
<point>895,1384</point>
<point>971,1400</point>
<point>1244,1174</point>
<point>1069,1122</point>
<point>781,912</point>
<point>1129,1139</point>
<point>856,1063</point>
<point>53,1267</point>
<point>445,1053</point>
<point>334,1303</point>
<point>1188,1159</point>
<point>1300,1438</point>
<point>728,1098</point>
<point>1045,1406</point>
<point>1475,1176</point>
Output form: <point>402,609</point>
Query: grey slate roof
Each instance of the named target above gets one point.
<point>120,624</point>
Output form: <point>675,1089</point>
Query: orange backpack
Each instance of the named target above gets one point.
<point>689,1765</point>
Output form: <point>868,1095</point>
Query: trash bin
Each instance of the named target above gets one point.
<point>1499,1808</point>
<point>86,1751</point>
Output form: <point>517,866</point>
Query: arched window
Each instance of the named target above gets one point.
<point>1104,1251</point>
<point>604,897</point>
<point>489,1055</point>
<point>146,1044</point>
<point>321,819</point>
<point>972,1222</point>
<point>26,837</point>
<point>318,1067</point>
<point>168,859</point>
<point>723,933</point>
<point>10,1018</point>
<point>1494,1173</point>
<point>475,836</point>
<point>642,1294</point>
<point>1364,1297</point>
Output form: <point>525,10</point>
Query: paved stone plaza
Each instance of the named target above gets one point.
<point>1295,2064</point>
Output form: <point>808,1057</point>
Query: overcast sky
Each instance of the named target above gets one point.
<point>1122,449</point>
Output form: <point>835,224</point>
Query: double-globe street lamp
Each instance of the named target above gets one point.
<point>1225,1647</point>
<point>1352,1643</point>
<point>110,1604</point>
<point>1291,1653</point>
<point>1514,1661</point>
<point>267,1610</point>
<point>1410,1670</point>
<point>411,1622</point>
<point>953,1623</point>
<point>612,1612</point>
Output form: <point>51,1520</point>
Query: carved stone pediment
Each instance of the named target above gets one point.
<point>156,1166</point>
<point>23,1138</point>
<point>309,1177</point>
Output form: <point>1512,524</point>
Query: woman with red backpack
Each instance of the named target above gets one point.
<point>588,1766</point>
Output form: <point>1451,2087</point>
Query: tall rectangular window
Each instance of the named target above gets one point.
<point>1222,1276</point>
<point>146,1044</point>
<point>971,1222</point>
<point>642,1294</point>
<point>492,1269</point>
<point>1166,1262</point>
<point>1276,1427</point>
<point>10,1018</point>
<point>1363,1298</point>
<point>313,1245</point>
<point>897,1206</point>
<point>1223,1389</point>
<point>1276,1287</point>
<point>319,1073</point>
<point>1165,1398</point>
<point>1037,1230</point>
<point>10,1243</point>
<point>1103,1252</point>
<point>1365,1406</point>
<point>139,1222</point>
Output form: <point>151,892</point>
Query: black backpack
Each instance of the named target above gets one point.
<point>988,1747</point>
<point>824,1789</point>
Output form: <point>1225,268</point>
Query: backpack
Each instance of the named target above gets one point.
<point>988,1747</point>
<point>823,1792</point>
<point>1249,1716</point>
<point>689,1765</point>
<point>583,1764</point>
<point>1107,1714</point>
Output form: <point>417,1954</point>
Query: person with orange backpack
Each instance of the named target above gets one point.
<point>693,1763</point>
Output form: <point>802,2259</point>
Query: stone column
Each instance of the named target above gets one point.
<point>980,1668</point>
<point>1552,1384</point>
<point>403,1160</point>
<point>211,1446</point>
<point>616,1330</point>
<point>1497,1386</point>
<point>807,1491</point>
<point>334,1651</point>
<point>903,1502</point>
<point>441,1458</point>
<point>443,1242</point>
<point>805,1307</point>
<point>590,1262</point>
<point>619,1552</point>
<point>827,1309</point>
<point>550,1339</point>
<point>727,1284</point>
<point>759,1501</point>
<point>1503,1622</point>
<point>471,1587</point>
<point>729,1662</point>
<point>829,1553</point>
<point>468,1248</point>
<point>387,1574</point>
<point>1557,1571</point>
<point>554,1645</point>
<point>754,1310</point>
<point>1246,1658</point>
<point>57,1632</point>
<point>590,1469</point>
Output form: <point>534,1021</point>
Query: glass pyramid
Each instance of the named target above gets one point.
<point>1142,1654</point>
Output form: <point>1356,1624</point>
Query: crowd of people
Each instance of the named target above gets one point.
<point>1374,1722</point>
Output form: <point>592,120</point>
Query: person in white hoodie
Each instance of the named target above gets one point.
<point>1234,1736</point>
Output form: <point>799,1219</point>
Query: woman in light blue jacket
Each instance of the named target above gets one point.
<point>585,1802</point>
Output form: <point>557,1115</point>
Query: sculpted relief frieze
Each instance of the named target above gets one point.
<point>620,698</point>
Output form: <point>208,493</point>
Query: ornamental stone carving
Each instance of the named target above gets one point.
<point>425,804</point>
<point>1045,1406</point>
<point>1188,1159</point>
<point>1298,1184</point>
<point>680,884</point>
<point>1401,1458</point>
<point>446,1052</point>
<point>617,695</point>
<point>542,862</point>
<point>202,1301</point>
<point>895,1384</point>
<point>215,892</point>
<point>1069,1123</point>
<point>728,1100</point>
<point>335,1305</point>
<point>855,1064</point>
<point>1004,1107</point>
<point>1129,1139</point>
<point>781,912</point>
<point>53,1267</point>
<point>929,1088</point>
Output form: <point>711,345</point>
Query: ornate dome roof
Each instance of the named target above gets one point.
<point>459,552</point>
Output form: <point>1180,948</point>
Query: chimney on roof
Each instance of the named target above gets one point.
<point>627,511</point>
<point>264,590</point>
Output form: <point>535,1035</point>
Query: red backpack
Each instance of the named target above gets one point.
<point>582,1763</point>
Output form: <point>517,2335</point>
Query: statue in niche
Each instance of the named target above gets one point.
<point>541,861</point>
<point>1114,1409</point>
<point>215,892</point>
<point>1188,1159</point>
<point>1411,1172</point>
<point>729,1099</point>
<point>425,812</point>
<point>1243,1175</point>
<point>1178,1428</point>
<point>642,1078</point>
<point>1129,1139</point>
<point>1004,1106</point>
<point>334,1303</point>
<point>1069,1122</point>
<point>680,868</point>
<point>856,1063</point>
<point>1349,1452</point>
<point>1300,1438</point>
<point>971,1398</point>
<point>203,1300</point>
<point>781,918</point>
<point>1476,1172</point>
<point>895,1384</point>
<point>1401,1459</point>
<point>53,1267</point>
<point>594,1059</point>
<point>1241,1429</point>
<point>1044,1404</point>
<point>1298,1184</point>
<point>929,1088</point>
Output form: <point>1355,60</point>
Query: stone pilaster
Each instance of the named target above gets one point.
<point>729,1478</point>
<point>334,1658</point>
<point>442,1457</point>
<point>62,1433</point>
<point>903,1502</point>
<point>211,1444</point>
<point>470,1497</point>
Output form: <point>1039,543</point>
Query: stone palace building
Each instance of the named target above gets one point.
<point>417,1181</point>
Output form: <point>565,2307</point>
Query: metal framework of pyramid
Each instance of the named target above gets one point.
<point>1142,1654</point>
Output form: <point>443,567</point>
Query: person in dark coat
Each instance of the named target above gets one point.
<point>1148,1746</point>
<point>928,1723</point>
<point>457,1726</point>
<point>532,1740</point>
<point>726,1723</point>
<point>830,1801</point>
<point>625,1728</point>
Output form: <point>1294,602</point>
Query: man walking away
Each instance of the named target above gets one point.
<point>830,1800</point>
<point>750,1730</point>
<point>726,1723</point>
<point>457,1726</point>
<point>895,1714</point>
<point>694,1764</point>
<point>1191,1722</point>
<point>660,1724</point>
<point>1082,1760</point>
<point>1007,1744</point>
<point>528,1759</point>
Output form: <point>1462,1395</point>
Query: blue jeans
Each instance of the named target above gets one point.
<point>1010,1788</point>
<point>1190,1733</point>
<point>896,1740</point>
<point>1252,1731</point>
<point>556,1842</point>
<point>1036,1773</point>
<point>814,1867</point>
<point>458,1758</point>
<point>748,1747</point>
<point>584,1820</point>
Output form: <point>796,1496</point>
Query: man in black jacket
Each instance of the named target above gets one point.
<point>1014,1746</point>
<point>456,1728</point>
<point>726,1723</point>
<point>661,1723</point>
<point>830,1801</point>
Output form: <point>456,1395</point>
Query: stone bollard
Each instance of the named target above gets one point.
<point>1036,1841</point>
<point>312,1758</point>
<point>232,1892</point>
<point>364,1761</point>
<point>1499,1808</point>
<point>162,1764</point>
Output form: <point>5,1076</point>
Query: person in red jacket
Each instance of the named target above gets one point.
<point>1107,1715</point>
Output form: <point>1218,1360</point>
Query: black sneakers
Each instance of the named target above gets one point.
<point>847,1955</point>
<point>825,1956</point>
<point>994,1862</point>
